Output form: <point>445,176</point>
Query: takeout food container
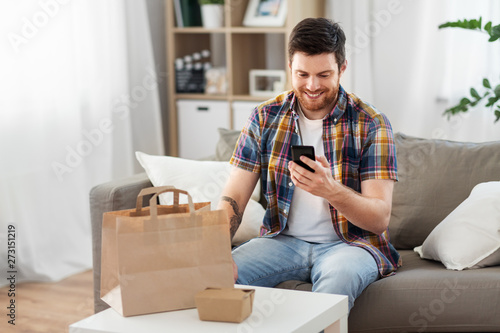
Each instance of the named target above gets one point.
<point>225,304</point>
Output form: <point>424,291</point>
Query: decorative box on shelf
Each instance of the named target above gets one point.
<point>190,72</point>
<point>190,80</point>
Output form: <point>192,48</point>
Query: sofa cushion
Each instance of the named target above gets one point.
<point>225,146</point>
<point>435,176</point>
<point>470,236</point>
<point>423,296</point>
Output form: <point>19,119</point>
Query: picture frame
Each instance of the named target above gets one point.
<point>265,13</point>
<point>266,82</point>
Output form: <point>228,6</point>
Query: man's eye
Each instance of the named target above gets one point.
<point>324,75</point>
<point>302,75</point>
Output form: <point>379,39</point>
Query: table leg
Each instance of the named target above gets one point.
<point>340,326</point>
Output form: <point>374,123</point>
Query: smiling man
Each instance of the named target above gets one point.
<point>327,227</point>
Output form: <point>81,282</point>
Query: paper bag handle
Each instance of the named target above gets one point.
<point>153,205</point>
<point>154,190</point>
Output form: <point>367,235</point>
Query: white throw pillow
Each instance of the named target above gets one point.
<point>204,181</point>
<point>469,237</point>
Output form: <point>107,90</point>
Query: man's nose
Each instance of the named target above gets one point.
<point>312,83</point>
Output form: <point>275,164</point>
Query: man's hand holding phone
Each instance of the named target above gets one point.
<point>319,181</point>
<point>307,151</point>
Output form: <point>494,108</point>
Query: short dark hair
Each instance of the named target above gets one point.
<point>315,36</point>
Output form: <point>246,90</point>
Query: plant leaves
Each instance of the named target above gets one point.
<point>464,101</point>
<point>495,31</point>
<point>487,27</point>
<point>465,24</point>
<point>473,93</point>
<point>491,101</point>
<point>497,91</point>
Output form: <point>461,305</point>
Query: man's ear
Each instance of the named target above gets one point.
<point>343,68</point>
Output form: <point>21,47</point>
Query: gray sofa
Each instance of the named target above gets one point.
<point>435,177</point>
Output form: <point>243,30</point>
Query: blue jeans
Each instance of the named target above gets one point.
<point>335,268</point>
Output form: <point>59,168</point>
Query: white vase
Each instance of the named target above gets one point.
<point>212,16</point>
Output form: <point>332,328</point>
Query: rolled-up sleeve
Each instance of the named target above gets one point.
<point>247,152</point>
<point>378,160</point>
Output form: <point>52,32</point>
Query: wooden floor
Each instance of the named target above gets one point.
<point>48,307</point>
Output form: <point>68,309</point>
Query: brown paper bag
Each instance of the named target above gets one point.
<point>157,258</point>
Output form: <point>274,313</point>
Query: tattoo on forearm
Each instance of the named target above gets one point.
<point>235,220</point>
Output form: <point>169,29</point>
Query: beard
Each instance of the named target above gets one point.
<point>323,103</point>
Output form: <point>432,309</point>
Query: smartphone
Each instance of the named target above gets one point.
<point>307,151</point>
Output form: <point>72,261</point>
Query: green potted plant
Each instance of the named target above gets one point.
<point>212,13</point>
<point>491,92</point>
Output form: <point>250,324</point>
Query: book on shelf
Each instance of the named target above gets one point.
<point>187,13</point>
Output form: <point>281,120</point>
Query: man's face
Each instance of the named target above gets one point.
<point>315,81</point>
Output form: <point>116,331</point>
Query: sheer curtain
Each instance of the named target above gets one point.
<point>409,69</point>
<point>79,97</point>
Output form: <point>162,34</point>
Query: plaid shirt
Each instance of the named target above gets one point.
<point>358,144</point>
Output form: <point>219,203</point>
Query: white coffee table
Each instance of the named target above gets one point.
<point>274,310</point>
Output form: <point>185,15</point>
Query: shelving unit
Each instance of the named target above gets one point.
<point>245,48</point>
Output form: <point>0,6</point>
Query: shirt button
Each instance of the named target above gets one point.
<point>290,184</point>
<point>285,211</point>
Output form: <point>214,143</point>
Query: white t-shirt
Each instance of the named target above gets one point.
<point>309,218</point>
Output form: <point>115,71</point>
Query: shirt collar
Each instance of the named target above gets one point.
<point>340,107</point>
<point>334,115</point>
<point>293,99</point>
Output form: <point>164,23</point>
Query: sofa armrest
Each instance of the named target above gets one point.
<point>111,196</point>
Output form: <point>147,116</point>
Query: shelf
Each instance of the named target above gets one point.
<point>249,98</point>
<point>201,96</point>
<point>234,30</point>
<point>236,47</point>
<point>199,30</point>
<point>258,30</point>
